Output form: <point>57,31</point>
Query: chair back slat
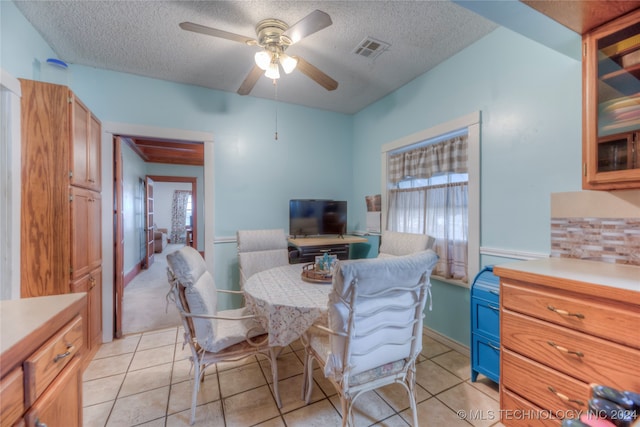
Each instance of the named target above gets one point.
<point>394,243</point>
<point>259,250</point>
<point>195,291</point>
<point>379,304</point>
<point>261,240</point>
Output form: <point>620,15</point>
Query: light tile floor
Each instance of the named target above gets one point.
<point>145,380</point>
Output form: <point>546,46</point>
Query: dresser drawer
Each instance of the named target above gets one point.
<point>612,321</point>
<point>485,318</point>
<point>560,394</point>
<point>587,358</point>
<point>518,412</point>
<point>46,363</point>
<point>11,397</point>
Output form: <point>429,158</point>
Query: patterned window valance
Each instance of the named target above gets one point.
<point>448,156</point>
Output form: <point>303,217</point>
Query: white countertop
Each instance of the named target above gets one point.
<point>623,280</point>
<point>20,318</point>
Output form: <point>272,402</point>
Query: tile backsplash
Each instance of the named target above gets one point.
<point>615,240</point>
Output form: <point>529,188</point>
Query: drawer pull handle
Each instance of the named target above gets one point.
<point>493,347</point>
<point>565,397</point>
<point>564,312</point>
<point>566,350</point>
<point>493,308</point>
<point>40,423</point>
<point>493,291</point>
<point>63,355</point>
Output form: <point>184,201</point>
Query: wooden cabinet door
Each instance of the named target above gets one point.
<point>86,233</point>
<point>44,228</point>
<point>94,298</point>
<point>79,141</point>
<point>94,173</point>
<point>610,123</point>
<point>92,314</point>
<point>61,403</point>
<point>82,285</point>
<point>94,231</point>
<point>85,146</point>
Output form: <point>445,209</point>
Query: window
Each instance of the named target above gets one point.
<point>431,182</point>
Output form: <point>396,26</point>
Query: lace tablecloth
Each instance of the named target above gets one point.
<point>286,305</point>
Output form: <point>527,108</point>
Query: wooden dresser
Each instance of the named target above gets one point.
<point>41,348</point>
<point>565,323</point>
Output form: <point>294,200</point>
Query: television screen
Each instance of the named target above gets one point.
<point>311,217</point>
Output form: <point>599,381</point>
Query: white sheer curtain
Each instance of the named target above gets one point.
<point>440,211</point>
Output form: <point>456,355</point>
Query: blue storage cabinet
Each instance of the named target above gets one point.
<point>485,325</point>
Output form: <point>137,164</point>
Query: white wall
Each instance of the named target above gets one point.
<point>10,172</point>
<point>163,201</point>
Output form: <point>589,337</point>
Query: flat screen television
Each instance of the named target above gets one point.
<point>313,217</point>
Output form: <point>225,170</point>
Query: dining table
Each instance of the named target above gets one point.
<point>286,304</point>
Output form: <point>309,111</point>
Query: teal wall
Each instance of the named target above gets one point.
<point>529,97</point>
<point>530,101</point>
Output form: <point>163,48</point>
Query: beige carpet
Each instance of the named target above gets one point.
<point>144,306</point>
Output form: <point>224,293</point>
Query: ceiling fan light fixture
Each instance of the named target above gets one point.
<point>272,71</point>
<point>288,63</point>
<point>263,59</point>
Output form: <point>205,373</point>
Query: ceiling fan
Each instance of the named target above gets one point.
<point>274,37</point>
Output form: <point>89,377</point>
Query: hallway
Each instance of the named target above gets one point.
<point>144,306</point>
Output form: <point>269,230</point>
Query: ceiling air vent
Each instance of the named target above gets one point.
<point>371,48</point>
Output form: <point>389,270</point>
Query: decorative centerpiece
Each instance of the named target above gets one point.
<point>321,271</point>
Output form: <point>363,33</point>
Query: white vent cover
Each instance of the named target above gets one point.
<point>371,48</point>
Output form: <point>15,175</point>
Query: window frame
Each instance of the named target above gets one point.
<point>472,124</point>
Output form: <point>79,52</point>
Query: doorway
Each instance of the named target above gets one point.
<point>114,315</point>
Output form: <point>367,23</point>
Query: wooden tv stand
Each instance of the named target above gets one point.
<point>310,247</point>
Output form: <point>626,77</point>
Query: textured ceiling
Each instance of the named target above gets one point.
<point>143,38</point>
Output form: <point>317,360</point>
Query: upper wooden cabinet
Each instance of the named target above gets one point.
<point>611,105</point>
<point>85,147</point>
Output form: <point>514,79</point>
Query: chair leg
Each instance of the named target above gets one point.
<point>412,404</point>
<point>411,389</point>
<point>196,388</point>
<point>345,405</point>
<point>308,379</point>
<point>304,367</point>
<point>273,355</point>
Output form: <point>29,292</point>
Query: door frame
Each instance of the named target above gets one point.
<point>109,131</point>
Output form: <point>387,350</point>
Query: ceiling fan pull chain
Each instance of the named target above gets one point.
<point>275,88</point>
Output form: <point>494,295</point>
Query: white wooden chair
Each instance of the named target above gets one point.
<point>260,250</point>
<point>395,243</point>
<point>213,336</point>
<point>374,333</point>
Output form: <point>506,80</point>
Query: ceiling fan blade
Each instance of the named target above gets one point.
<point>250,81</point>
<point>313,22</point>
<point>315,74</point>
<point>197,28</point>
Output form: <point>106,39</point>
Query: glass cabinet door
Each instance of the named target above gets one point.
<point>611,72</point>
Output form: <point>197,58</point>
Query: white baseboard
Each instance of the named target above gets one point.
<point>454,345</point>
